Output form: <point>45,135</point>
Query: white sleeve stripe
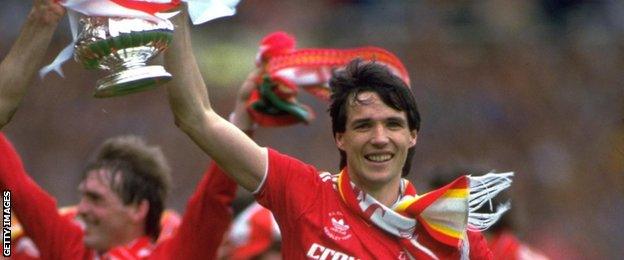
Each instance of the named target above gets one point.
<point>266,172</point>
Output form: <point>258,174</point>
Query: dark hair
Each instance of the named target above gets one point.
<point>360,77</point>
<point>144,174</point>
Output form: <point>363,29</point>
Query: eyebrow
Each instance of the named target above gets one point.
<point>388,119</point>
<point>361,120</point>
<point>84,191</point>
<point>92,194</point>
<point>397,119</point>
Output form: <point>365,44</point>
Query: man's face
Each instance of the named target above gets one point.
<point>105,216</point>
<point>376,140</point>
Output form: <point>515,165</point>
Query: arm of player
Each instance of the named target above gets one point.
<point>238,154</point>
<point>209,211</point>
<point>55,236</point>
<point>18,68</point>
<point>207,218</point>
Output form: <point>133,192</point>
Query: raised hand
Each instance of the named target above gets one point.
<point>47,11</point>
<point>240,117</point>
<point>18,68</point>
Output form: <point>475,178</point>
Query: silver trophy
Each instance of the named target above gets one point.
<point>123,46</point>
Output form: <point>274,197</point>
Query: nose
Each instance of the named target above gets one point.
<point>379,136</point>
<point>83,206</point>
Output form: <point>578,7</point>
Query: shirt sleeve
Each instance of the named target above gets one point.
<point>56,237</point>
<point>479,248</point>
<point>289,188</point>
<point>207,218</point>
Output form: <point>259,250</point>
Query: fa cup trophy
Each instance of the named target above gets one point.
<point>123,46</point>
<point>121,36</point>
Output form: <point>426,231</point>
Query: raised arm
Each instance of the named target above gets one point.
<point>238,154</point>
<point>56,237</point>
<point>18,68</point>
<point>209,212</point>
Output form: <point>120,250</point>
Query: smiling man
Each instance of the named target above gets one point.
<point>122,191</point>
<point>373,137</point>
<point>122,198</point>
<point>123,194</point>
<point>356,214</point>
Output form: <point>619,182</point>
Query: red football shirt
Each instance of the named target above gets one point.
<point>206,219</point>
<point>316,224</point>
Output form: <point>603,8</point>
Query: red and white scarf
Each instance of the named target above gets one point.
<point>290,69</point>
<point>446,213</point>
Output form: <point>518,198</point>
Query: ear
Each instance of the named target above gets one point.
<point>339,138</point>
<point>414,135</point>
<point>139,211</point>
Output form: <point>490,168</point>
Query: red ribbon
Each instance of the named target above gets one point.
<point>147,7</point>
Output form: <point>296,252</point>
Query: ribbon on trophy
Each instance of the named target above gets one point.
<point>200,11</point>
<point>285,70</point>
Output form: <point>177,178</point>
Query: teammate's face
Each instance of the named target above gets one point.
<point>376,140</point>
<point>105,216</point>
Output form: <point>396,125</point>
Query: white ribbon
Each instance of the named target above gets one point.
<point>200,11</point>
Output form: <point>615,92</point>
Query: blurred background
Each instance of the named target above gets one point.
<point>534,86</point>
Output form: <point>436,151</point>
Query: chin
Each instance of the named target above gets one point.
<point>380,176</point>
<point>92,242</point>
<point>89,244</point>
<point>376,177</point>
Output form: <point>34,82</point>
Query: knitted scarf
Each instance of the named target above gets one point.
<point>446,213</point>
<point>286,70</point>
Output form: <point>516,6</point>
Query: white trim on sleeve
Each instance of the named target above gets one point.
<point>266,172</point>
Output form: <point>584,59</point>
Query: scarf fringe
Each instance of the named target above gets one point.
<point>465,249</point>
<point>482,190</point>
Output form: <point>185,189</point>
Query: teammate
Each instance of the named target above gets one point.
<point>347,216</point>
<point>121,207</point>
<point>123,190</point>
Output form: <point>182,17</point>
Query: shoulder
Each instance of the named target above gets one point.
<point>288,167</point>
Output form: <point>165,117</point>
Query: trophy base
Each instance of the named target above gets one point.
<point>130,81</point>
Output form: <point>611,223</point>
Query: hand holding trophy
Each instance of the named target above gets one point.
<point>122,36</point>
<point>47,11</point>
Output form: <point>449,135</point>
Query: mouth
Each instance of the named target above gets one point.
<point>86,223</point>
<point>379,158</point>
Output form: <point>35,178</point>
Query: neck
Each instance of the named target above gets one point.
<point>386,193</point>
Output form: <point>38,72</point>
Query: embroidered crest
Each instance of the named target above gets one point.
<point>337,228</point>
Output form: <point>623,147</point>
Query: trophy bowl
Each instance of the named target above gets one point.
<point>123,46</point>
